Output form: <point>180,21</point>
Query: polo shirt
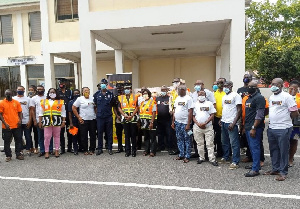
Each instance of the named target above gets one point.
<point>254,103</point>
<point>218,96</point>
<point>10,110</point>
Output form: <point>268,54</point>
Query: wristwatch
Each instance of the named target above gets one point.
<point>254,128</point>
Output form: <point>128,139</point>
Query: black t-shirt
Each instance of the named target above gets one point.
<point>253,103</point>
<point>163,108</point>
<point>243,91</point>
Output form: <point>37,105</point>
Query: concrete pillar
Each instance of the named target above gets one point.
<point>135,74</point>
<point>49,73</point>
<point>225,61</point>
<point>218,67</point>
<point>119,61</point>
<point>20,34</point>
<point>237,50</point>
<point>88,60</point>
<point>76,75</point>
<point>24,78</point>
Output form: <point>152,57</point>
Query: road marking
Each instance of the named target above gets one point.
<point>178,188</point>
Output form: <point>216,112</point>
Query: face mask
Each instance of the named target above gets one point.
<point>215,87</point>
<point>127,91</point>
<point>52,95</point>
<point>201,98</point>
<point>226,90</point>
<point>8,97</point>
<point>274,89</point>
<point>251,90</point>
<point>246,80</point>
<point>103,86</point>
<point>86,94</point>
<point>20,93</point>
<point>175,84</point>
<point>145,96</point>
<point>62,86</point>
<point>163,93</point>
<point>30,94</point>
<point>197,87</point>
<point>41,93</point>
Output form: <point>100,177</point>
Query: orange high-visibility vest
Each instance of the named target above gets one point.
<point>127,107</point>
<point>146,109</point>
<point>52,114</point>
<point>298,100</point>
<point>244,107</point>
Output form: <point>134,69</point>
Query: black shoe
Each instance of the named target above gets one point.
<point>119,151</point>
<point>70,150</point>
<point>250,167</point>
<point>200,161</point>
<point>133,155</point>
<point>41,154</point>
<point>215,163</point>
<point>110,152</point>
<point>63,151</point>
<point>127,154</point>
<point>2,150</point>
<point>195,155</point>
<point>75,153</point>
<point>251,174</point>
<point>99,152</point>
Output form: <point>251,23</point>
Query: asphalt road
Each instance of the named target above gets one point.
<point>117,182</point>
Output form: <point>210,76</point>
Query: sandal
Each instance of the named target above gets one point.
<point>272,173</point>
<point>86,153</point>
<point>145,153</point>
<point>185,160</point>
<point>151,154</point>
<point>178,158</point>
<point>91,153</point>
<point>280,178</point>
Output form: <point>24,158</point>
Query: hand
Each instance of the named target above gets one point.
<point>35,123</point>
<point>19,124</point>
<point>28,125</point>
<point>126,116</point>
<point>173,126</point>
<point>62,125</point>
<point>119,117</point>
<point>187,127</point>
<point>253,133</point>
<point>129,118</point>
<point>81,121</point>
<point>202,125</point>
<point>6,126</point>
<point>231,126</point>
<point>40,125</point>
<point>151,126</point>
<point>220,122</point>
<point>71,125</point>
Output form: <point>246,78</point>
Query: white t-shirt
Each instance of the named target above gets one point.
<point>86,108</point>
<point>25,104</point>
<point>182,106</point>
<point>203,110</point>
<point>63,109</point>
<point>229,103</point>
<point>279,113</point>
<point>35,102</point>
<point>209,96</point>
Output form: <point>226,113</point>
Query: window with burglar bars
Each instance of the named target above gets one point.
<point>6,33</point>
<point>66,10</point>
<point>35,26</point>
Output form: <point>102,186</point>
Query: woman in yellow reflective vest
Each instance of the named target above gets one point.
<point>148,122</point>
<point>52,116</point>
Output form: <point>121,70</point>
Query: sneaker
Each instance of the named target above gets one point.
<point>233,166</point>
<point>215,163</point>
<point>224,161</point>
<point>20,157</point>
<point>8,159</point>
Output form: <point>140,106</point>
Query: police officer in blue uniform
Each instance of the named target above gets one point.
<point>105,101</point>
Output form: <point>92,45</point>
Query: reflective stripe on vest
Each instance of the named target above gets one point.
<point>52,115</point>
<point>130,106</point>
<point>146,110</point>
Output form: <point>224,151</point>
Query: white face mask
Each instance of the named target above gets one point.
<point>176,84</point>
<point>52,95</point>
<point>145,96</point>
<point>201,98</point>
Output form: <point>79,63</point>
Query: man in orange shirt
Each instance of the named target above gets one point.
<point>11,117</point>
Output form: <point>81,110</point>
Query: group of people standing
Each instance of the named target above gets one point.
<point>221,121</point>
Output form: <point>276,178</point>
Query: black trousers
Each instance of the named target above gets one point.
<point>164,132</point>
<point>7,135</point>
<point>62,138</point>
<point>217,139</point>
<point>88,128</point>
<point>119,131</point>
<point>130,137</point>
<point>150,141</point>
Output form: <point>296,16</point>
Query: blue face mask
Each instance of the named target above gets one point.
<point>127,91</point>
<point>20,93</point>
<point>197,87</point>
<point>246,80</point>
<point>215,87</point>
<point>274,89</point>
<point>163,93</point>
<point>103,86</point>
<point>226,90</point>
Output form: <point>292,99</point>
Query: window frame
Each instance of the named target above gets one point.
<point>65,20</point>
<point>1,36</point>
<point>30,38</point>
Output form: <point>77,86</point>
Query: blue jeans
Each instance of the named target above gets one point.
<point>41,141</point>
<point>279,145</point>
<point>230,138</point>
<point>105,124</point>
<point>28,138</point>
<point>254,145</point>
<point>183,140</point>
